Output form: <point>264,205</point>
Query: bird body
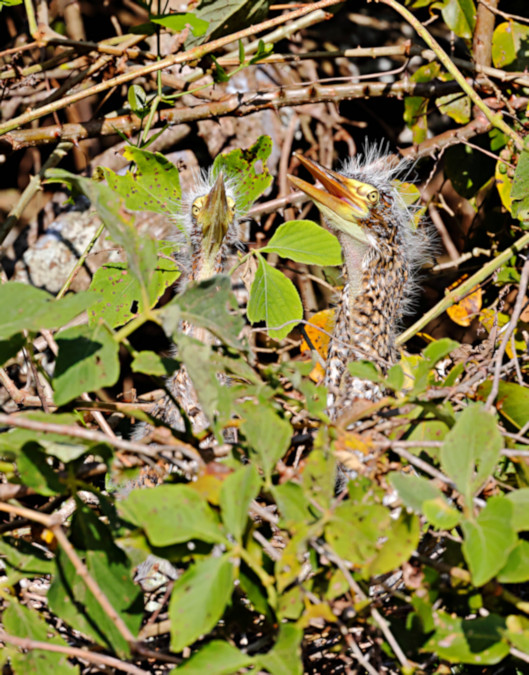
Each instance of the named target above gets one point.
<point>382,251</point>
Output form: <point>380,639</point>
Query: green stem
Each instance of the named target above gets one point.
<point>455,296</point>
<point>264,577</point>
<point>81,261</point>
<point>496,119</point>
<point>132,326</point>
<point>32,22</point>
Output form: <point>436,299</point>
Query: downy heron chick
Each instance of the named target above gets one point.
<point>382,252</point>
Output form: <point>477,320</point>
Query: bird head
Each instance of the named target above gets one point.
<point>211,224</point>
<point>362,201</point>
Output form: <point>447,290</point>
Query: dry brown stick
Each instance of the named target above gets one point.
<point>517,310</point>
<point>75,652</point>
<point>482,38</point>
<point>190,55</point>
<point>88,434</point>
<point>235,104</point>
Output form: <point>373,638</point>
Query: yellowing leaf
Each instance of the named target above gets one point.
<point>503,184</point>
<point>464,311</point>
<point>314,331</point>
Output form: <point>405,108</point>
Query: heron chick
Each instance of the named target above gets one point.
<point>382,252</point>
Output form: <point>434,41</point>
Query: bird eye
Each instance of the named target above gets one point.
<point>231,203</point>
<point>197,205</point>
<point>373,197</point>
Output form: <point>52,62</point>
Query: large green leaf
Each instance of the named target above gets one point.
<point>520,184</point>
<point>236,494</point>
<point>471,449</point>
<point>216,658</point>
<point>306,242</point>
<point>400,541</point>
<point>477,641</point>
<point>32,309</point>
<point>171,514</point>
<point>24,623</point>
<point>241,166</point>
<point>154,185</point>
<point>108,565</point>
<point>209,304</point>
<point>267,434</point>
<point>423,497</point>
<point>87,360</point>
<point>489,540</point>
<point>520,501</point>
<point>119,290</point>
<point>178,21</point>
<point>198,600</point>
<point>516,570</point>
<point>460,16</point>
<point>512,401</point>
<point>274,299</point>
<point>285,656</point>
<point>509,46</point>
<point>416,107</point>
<point>228,16</point>
<point>22,559</point>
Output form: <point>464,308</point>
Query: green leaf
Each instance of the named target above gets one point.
<point>306,242</point>
<point>438,349</point>
<point>137,99</point>
<point>516,570</point>
<point>457,106</point>
<point>119,289</point>
<point>140,251</point>
<point>520,185</point>
<point>518,632</point>
<point>151,363</point>
<point>520,501</point>
<point>267,434</point>
<point>237,492</point>
<point>23,559</point>
<point>171,514</point>
<point>512,401</point>
<point>459,16</point>
<point>198,600</point>
<point>285,656</point>
<point>354,530</point>
<point>107,564</point>
<point>10,347</point>
<point>216,658</point>
<point>416,107</point>
<point>154,186</point>
<point>38,474</point>
<point>209,304</point>
<point>242,166</point>
<point>509,46</point>
<point>471,449</point>
<point>365,370</point>
<point>177,22</point>
<point>423,497</point>
<point>274,299</point>
<point>395,378</point>
<point>489,540</point>
<point>24,623</point>
<point>476,641</point>
<point>87,360</point>
<point>428,430</point>
<point>32,309</point>
<point>228,17</point>
<point>401,540</point>
<point>292,503</point>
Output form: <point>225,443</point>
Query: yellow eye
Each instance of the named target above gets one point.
<point>373,197</point>
<point>231,203</point>
<point>197,205</point>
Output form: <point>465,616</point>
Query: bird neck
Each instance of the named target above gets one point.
<point>373,298</point>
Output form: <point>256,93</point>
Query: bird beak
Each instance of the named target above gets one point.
<point>344,201</point>
<point>214,218</point>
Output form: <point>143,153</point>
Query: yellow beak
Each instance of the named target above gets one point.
<point>343,203</point>
<point>214,218</point>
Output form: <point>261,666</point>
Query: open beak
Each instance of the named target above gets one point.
<point>344,201</point>
<point>214,218</point>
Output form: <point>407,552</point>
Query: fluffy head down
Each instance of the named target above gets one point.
<point>209,221</point>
